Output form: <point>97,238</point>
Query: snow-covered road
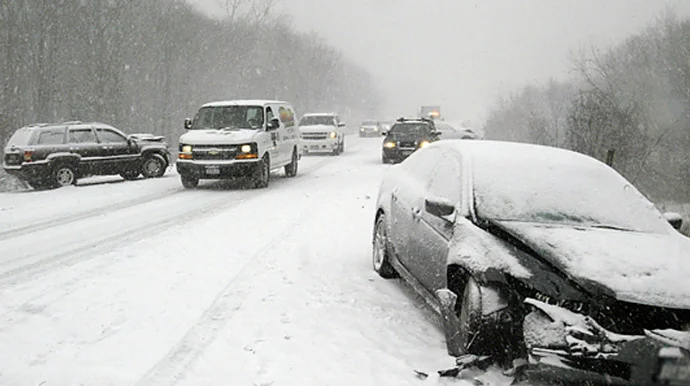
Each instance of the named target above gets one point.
<point>124,283</point>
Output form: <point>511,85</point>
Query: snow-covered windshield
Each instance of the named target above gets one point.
<point>312,120</point>
<point>555,192</point>
<point>20,137</point>
<point>229,118</point>
<point>409,129</point>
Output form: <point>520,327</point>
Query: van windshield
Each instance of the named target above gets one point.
<point>229,118</point>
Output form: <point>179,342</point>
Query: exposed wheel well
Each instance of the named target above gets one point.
<point>456,279</point>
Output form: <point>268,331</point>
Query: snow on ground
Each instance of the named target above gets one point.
<point>214,286</point>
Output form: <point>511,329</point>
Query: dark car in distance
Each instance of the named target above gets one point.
<point>56,155</point>
<point>407,136</point>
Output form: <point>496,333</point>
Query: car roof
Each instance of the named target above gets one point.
<point>507,152</point>
<point>47,126</point>
<point>244,102</point>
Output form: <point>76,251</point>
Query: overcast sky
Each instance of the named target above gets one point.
<point>464,54</point>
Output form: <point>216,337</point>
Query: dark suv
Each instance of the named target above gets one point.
<point>55,155</point>
<point>405,137</point>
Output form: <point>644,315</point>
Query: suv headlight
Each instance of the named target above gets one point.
<point>389,145</point>
<point>186,149</point>
<point>333,135</point>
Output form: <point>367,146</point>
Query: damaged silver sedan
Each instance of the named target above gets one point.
<point>496,236</point>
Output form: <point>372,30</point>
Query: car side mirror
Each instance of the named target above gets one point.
<point>187,123</point>
<point>341,124</point>
<point>675,219</point>
<point>440,207</point>
<point>384,133</point>
<point>273,124</point>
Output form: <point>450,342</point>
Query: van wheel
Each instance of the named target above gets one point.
<point>189,182</point>
<point>130,175</point>
<point>291,168</point>
<point>263,173</point>
<point>64,175</point>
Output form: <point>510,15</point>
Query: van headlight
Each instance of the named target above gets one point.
<point>186,149</point>
<point>246,148</point>
<point>333,135</point>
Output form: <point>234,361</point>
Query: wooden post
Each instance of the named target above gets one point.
<point>609,157</point>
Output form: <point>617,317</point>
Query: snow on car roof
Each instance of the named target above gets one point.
<point>245,102</point>
<point>319,114</point>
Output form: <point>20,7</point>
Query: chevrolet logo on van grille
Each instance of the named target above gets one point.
<point>215,153</point>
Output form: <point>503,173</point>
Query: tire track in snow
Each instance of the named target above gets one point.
<point>49,262</point>
<point>64,220</point>
<point>182,356</point>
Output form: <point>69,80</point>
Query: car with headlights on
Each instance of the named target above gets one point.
<point>370,128</point>
<point>322,133</point>
<point>531,251</point>
<point>407,136</point>
<point>239,139</point>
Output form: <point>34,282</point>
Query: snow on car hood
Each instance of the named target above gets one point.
<point>644,268</point>
<point>219,137</point>
<point>316,128</point>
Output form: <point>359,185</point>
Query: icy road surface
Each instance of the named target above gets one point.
<point>145,283</point>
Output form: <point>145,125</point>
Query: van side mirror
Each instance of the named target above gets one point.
<point>384,133</point>
<point>187,123</point>
<point>675,219</point>
<point>273,124</point>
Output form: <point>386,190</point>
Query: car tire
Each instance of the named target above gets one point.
<point>130,175</point>
<point>63,175</point>
<point>291,168</point>
<point>153,166</point>
<point>342,146</point>
<point>385,159</point>
<point>263,173</point>
<point>380,250</point>
<point>189,182</point>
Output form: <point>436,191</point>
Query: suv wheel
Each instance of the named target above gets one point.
<point>153,166</point>
<point>189,182</point>
<point>64,175</point>
<point>263,173</point>
<point>291,168</point>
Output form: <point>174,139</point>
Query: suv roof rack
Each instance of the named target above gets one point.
<point>38,124</point>
<point>71,123</point>
<point>403,119</point>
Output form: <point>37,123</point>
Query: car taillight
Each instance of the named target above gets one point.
<point>27,155</point>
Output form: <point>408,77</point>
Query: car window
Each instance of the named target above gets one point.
<point>421,163</point>
<point>110,136</point>
<point>82,136</point>
<point>419,129</point>
<point>51,137</point>
<point>20,137</point>
<point>446,179</point>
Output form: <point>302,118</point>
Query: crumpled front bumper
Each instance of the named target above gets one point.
<point>565,345</point>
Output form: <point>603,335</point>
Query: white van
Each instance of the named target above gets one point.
<point>241,138</point>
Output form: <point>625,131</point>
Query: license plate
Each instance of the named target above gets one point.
<point>212,170</point>
<point>407,152</point>
<point>314,147</point>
